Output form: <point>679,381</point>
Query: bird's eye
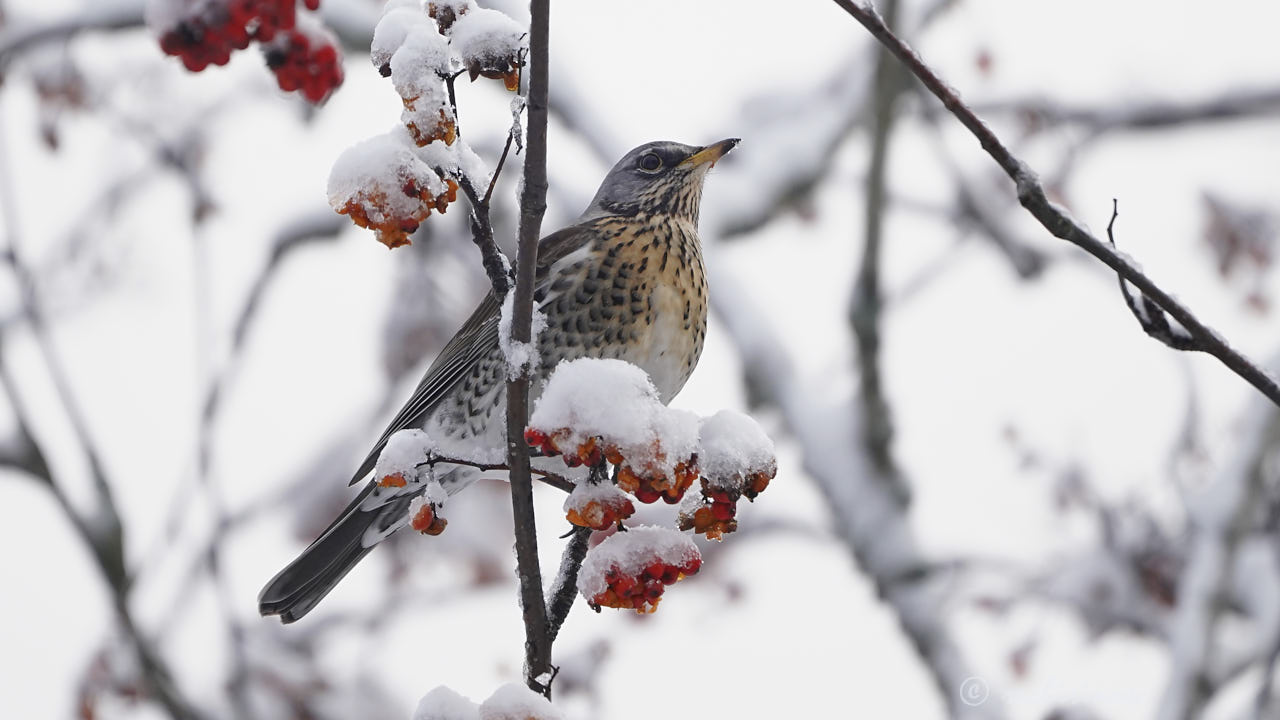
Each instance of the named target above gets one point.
<point>649,162</point>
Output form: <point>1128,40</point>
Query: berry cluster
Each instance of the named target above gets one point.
<point>715,517</point>
<point>371,208</point>
<point>598,506</point>
<point>642,591</point>
<point>214,29</point>
<point>648,484</point>
<point>652,484</point>
<point>488,43</point>
<point>427,127</point>
<point>424,516</point>
<point>445,12</point>
<point>305,63</point>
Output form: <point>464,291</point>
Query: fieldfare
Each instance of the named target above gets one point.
<point>625,281</point>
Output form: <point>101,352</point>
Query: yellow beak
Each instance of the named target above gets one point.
<point>712,152</point>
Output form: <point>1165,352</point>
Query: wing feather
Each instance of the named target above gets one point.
<point>477,338</point>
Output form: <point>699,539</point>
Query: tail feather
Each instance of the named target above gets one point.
<point>295,590</point>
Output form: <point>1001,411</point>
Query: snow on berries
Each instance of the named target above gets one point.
<point>598,506</point>
<point>598,412</point>
<point>403,468</point>
<point>737,460</point>
<point>381,184</point>
<point>631,570</point>
<point>490,44</point>
<point>517,702</point>
<point>386,184</point>
<point>509,702</point>
<point>418,68</point>
<point>736,453</point>
<point>201,33</point>
<point>593,409</point>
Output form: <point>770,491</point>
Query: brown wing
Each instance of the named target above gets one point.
<point>477,338</point>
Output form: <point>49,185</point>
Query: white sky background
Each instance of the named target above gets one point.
<point>972,352</point>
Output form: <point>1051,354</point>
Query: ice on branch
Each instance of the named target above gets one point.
<point>631,569</point>
<point>593,409</point>
<point>491,45</point>
<point>517,702</point>
<point>386,184</point>
<point>522,357</point>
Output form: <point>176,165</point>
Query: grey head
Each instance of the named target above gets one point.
<point>658,178</point>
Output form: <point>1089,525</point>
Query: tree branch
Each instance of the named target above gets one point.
<point>18,37</point>
<point>565,588</point>
<point>533,204</point>
<point>1056,220</point>
<point>865,309</point>
<point>1220,520</point>
<point>1152,115</point>
<point>496,265</point>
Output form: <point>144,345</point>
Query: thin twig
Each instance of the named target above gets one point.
<point>558,482</point>
<point>497,170</point>
<point>496,265</point>
<point>1031,195</point>
<point>1146,312</point>
<point>101,531</point>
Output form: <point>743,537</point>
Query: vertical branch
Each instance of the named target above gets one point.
<point>533,203</point>
<point>865,309</point>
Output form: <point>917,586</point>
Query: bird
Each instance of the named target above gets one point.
<point>625,280</point>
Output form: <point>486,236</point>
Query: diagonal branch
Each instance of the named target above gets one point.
<point>1054,218</point>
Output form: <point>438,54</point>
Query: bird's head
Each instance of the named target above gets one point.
<point>658,178</point>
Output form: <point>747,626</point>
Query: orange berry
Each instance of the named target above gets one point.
<point>393,480</point>
<point>424,519</point>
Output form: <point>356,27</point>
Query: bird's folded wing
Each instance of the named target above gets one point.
<point>477,338</point>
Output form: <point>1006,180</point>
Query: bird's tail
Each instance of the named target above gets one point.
<point>296,589</point>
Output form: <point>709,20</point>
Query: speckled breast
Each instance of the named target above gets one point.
<point>638,293</point>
